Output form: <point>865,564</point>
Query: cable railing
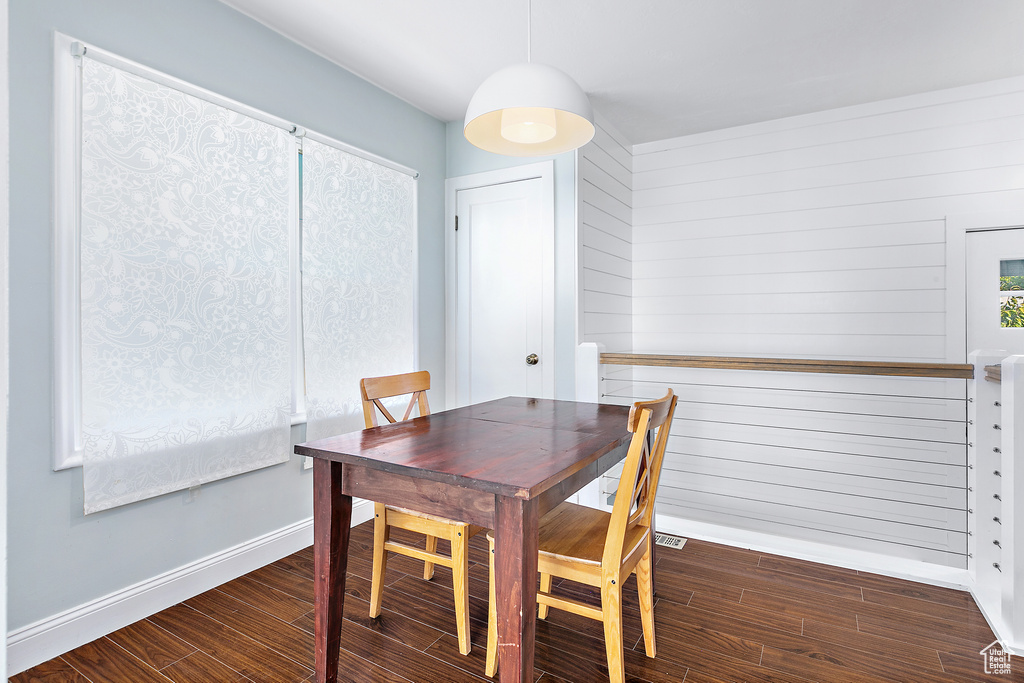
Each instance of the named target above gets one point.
<point>856,454</point>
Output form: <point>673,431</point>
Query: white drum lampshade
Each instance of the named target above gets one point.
<point>528,110</point>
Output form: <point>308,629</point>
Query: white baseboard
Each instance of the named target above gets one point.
<point>861,560</point>
<point>999,626</point>
<point>53,636</point>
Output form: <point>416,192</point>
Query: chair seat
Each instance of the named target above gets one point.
<point>424,515</point>
<point>577,533</point>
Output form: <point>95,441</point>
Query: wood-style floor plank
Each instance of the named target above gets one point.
<point>820,610</point>
<point>826,572</point>
<point>272,601</point>
<point>240,652</point>
<point>200,666</point>
<point>107,662</point>
<point>55,670</point>
<point>150,643</point>
<point>968,669</point>
<point>569,645</point>
<point>922,606</point>
<point>740,610</point>
<point>720,666</point>
<point>290,641</point>
<point>919,591</point>
<point>882,648</point>
<point>723,615</point>
<point>764,580</point>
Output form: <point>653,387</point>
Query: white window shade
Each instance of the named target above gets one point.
<point>358,281</point>
<point>184,289</point>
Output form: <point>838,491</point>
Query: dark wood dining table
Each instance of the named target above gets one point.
<point>501,465</point>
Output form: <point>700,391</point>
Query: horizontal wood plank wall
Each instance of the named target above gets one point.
<point>605,238</point>
<point>820,236</point>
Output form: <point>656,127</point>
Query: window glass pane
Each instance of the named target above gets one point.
<point>358,265</point>
<point>1011,274</point>
<point>1011,279</point>
<point>184,289</point>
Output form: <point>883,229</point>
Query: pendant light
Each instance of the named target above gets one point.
<point>529,110</point>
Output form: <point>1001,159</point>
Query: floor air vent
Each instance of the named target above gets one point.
<point>669,541</point>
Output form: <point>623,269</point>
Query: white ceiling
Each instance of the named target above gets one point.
<point>658,69</point>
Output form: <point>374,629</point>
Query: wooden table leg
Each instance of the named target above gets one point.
<point>515,565</point>
<point>332,519</point>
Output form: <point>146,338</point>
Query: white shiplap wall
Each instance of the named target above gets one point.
<point>819,236</point>
<point>605,199</point>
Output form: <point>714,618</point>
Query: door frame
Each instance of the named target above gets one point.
<point>545,172</point>
<point>957,227</point>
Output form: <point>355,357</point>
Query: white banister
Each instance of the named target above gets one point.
<point>588,388</point>
<point>588,372</point>
<point>996,439</point>
<point>984,459</point>
<point>1012,484</point>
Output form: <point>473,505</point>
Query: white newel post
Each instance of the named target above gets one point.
<point>1013,484</point>
<point>985,460</point>
<point>588,372</point>
<point>588,388</point>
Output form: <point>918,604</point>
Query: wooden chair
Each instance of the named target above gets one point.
<point>602,549</point>
<point>373,390</point>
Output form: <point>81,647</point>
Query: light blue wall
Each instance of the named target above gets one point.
<point>464,159</point>
<point>59,559</point>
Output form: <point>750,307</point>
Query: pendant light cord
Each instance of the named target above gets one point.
<point>529,30</point>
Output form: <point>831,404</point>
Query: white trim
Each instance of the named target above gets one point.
<point>998,626</point>
<point>67,423</point>
<point>416,272</point>
<point>369,156</point>
<point>543,170</point>
<point>577,252</point>
<point>861,560</point>
<point>1012,484</point>
<point>118,62</point>
<point>957,227</point>
<point>298,376</point>
<point>101,55</point>
<point>5,205</point>
<point>55,635</point>
<point>512,174</point>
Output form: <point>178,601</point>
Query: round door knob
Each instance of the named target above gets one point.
<point>532,359</point>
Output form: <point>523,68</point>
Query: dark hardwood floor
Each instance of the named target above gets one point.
<point>722,614</point>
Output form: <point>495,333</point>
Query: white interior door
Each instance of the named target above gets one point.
<point>501,305</point>
<point>995,311</point>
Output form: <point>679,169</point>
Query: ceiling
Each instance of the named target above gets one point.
<point>658,69</point>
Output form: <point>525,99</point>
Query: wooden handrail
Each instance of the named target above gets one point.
<point>837,367</point>
<point>994,373</point>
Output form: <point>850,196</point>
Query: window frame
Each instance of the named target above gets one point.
<point>67,385</point>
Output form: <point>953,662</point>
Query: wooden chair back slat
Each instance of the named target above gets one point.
<point>373,389</point>
<point>383,410</point>
<point>412,404</point>
<point>649,422</point>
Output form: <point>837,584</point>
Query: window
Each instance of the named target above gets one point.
<point>181,347</point>
<point>357,273</point>
<point>1011,293</point>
